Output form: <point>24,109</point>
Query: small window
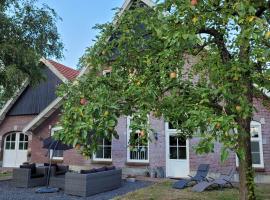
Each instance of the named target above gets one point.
<point>104,151</point>
<point>139,152</point>
<point>56,154</point>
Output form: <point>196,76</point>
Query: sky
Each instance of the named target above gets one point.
<point>78,19</point>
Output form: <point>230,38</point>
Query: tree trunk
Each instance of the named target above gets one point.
<point>246,175</point>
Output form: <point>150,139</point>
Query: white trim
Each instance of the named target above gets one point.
<point>11,101</point>
<point>128,3</point>
<point>54,70</point>
<point>103,159</point>
<point>128,149</point>
<point>53,130</point>
<point>43,115</point>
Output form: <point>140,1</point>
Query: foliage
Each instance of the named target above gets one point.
<point>151,51</point>
<point>27,33</point>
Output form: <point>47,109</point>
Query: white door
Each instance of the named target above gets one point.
<point>15,149</point>
<point>177,154</point>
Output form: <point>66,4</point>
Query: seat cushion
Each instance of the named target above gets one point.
<point>61,172</point>
<point>88,171</point>
<point>101,169</point>
<point>37,175</point>
<point>29,166</point>
<point>110,168</point>
<point>53,165</point>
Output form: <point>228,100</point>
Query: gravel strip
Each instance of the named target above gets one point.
<point>9,192</point>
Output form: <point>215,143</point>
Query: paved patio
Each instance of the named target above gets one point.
<point>8,192</point>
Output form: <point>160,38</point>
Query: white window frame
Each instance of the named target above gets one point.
<point>259,139</point>
<point>53,130</point>
<point>103,159</point>
<point>128,148</point>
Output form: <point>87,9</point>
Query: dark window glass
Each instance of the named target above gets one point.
<point>7,145</point>
<point>182,154</point>
<point>173,141</point>
<point>256,158</point>
<point>181,142</point>
<point>173,152</point>
<point>21,146</point>
<point>13,137</point>
<point>107,152</point>
<point>12,145</point>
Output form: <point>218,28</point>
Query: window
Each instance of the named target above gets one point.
<point>23,142</point>
<point>139,152</point>
<point>104,151</point>
<point>56,154</point>
<point>10,142</point>
<point>256,144</point>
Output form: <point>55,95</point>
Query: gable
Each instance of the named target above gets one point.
<point>36,98</point>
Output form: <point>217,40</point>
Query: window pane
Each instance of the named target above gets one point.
<point>256,158</point>
<point>13,137</point>
<point>254,132</point>
<point>8,138</point>
<point>182,154</point>
<point>25,145</point>
<point>7,145</point>
<point>181,142</point>
<point>107,152</point>
<point>58,153</point>
<point>173,141</point>
<point>107,142</point>
<point>12,145</point>
<point>173,152</point>
<point>99,153</point>
<point>21,146</point>
<point>26,138</point>
<point>255,147</point>
<point>171,126</point>
<point>21,137</point>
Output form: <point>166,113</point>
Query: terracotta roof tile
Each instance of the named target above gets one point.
<point>67,72</point>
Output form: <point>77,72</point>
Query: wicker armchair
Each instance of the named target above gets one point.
<point>57,178</point>
<point>23,177</point>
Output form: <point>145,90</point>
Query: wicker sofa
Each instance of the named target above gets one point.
<point>27,177</point>
<point>93,182</point>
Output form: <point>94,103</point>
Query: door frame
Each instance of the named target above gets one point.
<point>169,132</point>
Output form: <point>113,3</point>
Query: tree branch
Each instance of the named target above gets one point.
<point>219,41</point>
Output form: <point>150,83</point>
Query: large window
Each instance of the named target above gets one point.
<point>104,151</point>
<point>139,152</point>
<point>56,154</point>
<point>256,144</point>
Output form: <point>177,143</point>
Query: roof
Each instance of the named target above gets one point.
<point>67,72</point>
<point>61,71</point>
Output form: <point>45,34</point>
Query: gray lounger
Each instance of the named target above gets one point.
<point>222,181</point>
<point>57,178</point>
<point>93,183</point>
<point>200,176</point>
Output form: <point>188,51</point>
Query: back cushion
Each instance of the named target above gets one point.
<point>88,171</point>
<point>30,166</point>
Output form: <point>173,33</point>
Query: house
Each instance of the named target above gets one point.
<point>33,113</point>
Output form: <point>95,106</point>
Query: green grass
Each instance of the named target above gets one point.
<point>164,191</point>
<point>5,174</point>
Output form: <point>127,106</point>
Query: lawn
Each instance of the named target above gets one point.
<point>164,191</point>
<point>5,174</point>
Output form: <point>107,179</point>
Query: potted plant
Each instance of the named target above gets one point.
<point>131,178</point>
